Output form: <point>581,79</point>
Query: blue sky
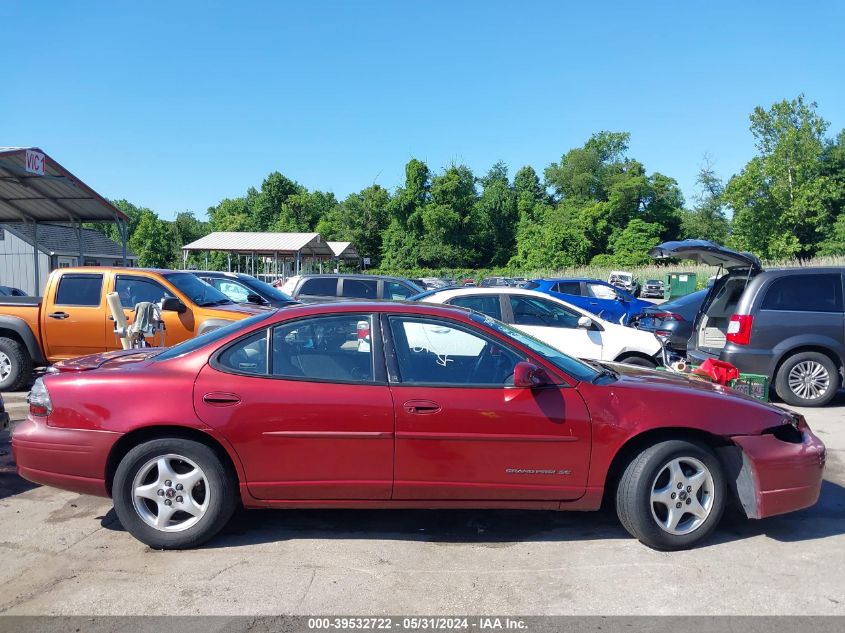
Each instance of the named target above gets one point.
<point>176,105</point>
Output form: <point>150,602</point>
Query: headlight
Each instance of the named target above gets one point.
<point>39,399</point>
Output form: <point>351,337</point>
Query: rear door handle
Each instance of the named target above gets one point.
<point>220,399</point>
<point>421,407</point>
<point>58,315</point>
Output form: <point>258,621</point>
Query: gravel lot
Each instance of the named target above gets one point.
<point>67,554</point>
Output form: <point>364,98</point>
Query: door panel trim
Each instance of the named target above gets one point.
<point>484,437</point>
<point>357,435</point>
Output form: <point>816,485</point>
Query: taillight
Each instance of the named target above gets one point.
<point>39,399</point>
<point>739,329</point>
<point>667,316</point>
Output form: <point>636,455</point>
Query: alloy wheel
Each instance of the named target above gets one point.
<point>809,380</point>
<point>682,495</point>
<point>5,366</point>
<point>170,493</point>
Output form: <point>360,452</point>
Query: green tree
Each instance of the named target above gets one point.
<point>707,220</point>
<point>631,245</point>
<point>361,219</point>
<point>781,197</point>
<point>153,241</point>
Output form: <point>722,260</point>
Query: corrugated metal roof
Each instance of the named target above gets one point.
<point>344,250</point>
<point>56,195</point>
<point>56,239</point>
<point>268,243</point>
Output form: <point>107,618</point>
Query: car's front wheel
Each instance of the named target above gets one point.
<point>173,493</point>
<point>671,495</point>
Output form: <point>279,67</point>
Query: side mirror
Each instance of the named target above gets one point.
<point>585,322</point>
<point>172,304</point>
<point>528,375</point>
<point>254,298</point>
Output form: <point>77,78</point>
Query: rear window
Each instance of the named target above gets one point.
<point>79,290</point>
<point>320,286</point>
<point>568,288</point>
<point>805,293</point>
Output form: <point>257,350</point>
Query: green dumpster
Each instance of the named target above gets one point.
<point>678,285</point>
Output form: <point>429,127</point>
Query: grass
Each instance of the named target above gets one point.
<point>642,273</point>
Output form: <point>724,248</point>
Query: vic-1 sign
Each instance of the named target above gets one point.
<point>35,162</point>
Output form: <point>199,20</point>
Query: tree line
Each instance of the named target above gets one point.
<point>597,205</point>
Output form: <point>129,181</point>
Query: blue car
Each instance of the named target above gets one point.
<point>599,297</point>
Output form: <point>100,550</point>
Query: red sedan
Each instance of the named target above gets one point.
<point>386,405</point>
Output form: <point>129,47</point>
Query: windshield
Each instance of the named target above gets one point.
<point>197,290</point>
<point>210,337</point>
<point>567,364</point>
<point>269,292</point>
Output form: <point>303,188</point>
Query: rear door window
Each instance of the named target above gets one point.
<point>360,288</point>
<point>320,287</point>
<point>79,290</point>
<point>805,293</point>
<point>486,304</point>
<point>568,288</point>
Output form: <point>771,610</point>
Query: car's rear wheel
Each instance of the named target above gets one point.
<point>672,495</point>
<point>807,379</point>
<point>173,493</point>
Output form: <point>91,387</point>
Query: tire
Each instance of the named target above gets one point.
<point>639,361</point>
<point>15,365</point>
<point>818,368</point>
<point>212,498</point>
<point>649,473</point>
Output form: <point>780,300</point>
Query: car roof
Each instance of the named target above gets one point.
<point>349,276</point>
<point>218,273</point>
<point>448,293</point>
<point>557,279</point>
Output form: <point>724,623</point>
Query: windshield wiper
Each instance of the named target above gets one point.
<point>603,370</point>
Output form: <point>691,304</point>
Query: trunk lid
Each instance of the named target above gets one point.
<point>707,252</point>
<point>95,361</point>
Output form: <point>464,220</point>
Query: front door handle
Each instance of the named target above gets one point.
<point>58,315</point>
<point>220,399</point>
<point>421,407</point>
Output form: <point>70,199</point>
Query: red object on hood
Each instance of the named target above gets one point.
<point>717,370</point>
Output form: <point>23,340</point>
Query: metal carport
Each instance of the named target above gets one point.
<point>35,188</point>
<point>269,246</point>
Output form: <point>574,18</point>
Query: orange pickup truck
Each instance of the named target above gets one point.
<point>73,319</point>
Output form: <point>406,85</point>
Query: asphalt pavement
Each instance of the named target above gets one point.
<point>67,554</point>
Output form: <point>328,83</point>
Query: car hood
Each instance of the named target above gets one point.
<point>707,253</point>
<point>237,311</point>
<point>667,399</point>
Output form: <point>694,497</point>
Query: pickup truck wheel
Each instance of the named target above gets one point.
<point>15,365</point>
<point>807,379</point>
<point>672,495</point>
<point>173,493</point>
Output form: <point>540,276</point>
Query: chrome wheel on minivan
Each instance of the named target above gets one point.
<point>807,379</point>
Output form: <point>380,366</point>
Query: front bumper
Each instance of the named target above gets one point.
<point>777,476</point>
<point>72,459</point>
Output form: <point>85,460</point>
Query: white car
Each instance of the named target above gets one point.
<point>570,329</point>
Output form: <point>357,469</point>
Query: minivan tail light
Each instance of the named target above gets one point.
<point>739,329</point>
<point>39,399</point>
